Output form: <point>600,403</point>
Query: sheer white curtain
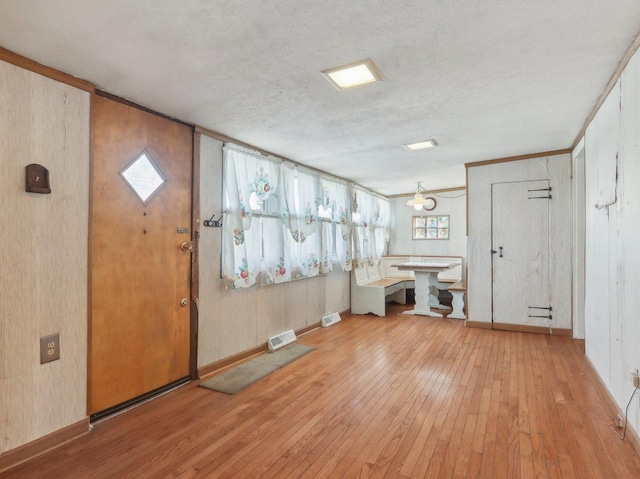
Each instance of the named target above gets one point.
<point>285,222</point>
<point>371,219</point>
<point>251,243</point>
<point>299,208</point>
<point>382,224</point>
<point>336,225</point>
<point>272,233</point>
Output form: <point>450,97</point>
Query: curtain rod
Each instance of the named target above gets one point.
<point>368,190</point>
<point>270,156</point>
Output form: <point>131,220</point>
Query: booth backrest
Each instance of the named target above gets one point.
<point>373,272</point>
<point>368,274</point>
<point>361,275</point>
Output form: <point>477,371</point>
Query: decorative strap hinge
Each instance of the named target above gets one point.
<point>549,316</point>
<point>540,197</point>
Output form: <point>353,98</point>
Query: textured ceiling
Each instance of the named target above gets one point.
<point>486,79</point>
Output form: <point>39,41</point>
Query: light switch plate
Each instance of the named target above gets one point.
<point>49,348</point>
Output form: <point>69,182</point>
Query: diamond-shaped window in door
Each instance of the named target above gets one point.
<point>143,176</point>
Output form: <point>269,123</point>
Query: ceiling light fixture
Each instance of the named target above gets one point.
<point>421,145</point>
<point>352,75</point>
<point>418,201</point>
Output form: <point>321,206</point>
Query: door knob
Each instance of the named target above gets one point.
<point>184,302</point>
<point>186,246</point>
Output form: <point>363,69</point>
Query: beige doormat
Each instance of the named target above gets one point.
<point>238,378</point>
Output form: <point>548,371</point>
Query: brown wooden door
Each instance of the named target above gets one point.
<point>139,331</point>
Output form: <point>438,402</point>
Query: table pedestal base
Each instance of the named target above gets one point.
<point>422,312</point>
<point>424,297</point>
<point>426,286</point>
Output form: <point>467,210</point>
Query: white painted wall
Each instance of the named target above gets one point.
<point>43,255</point>
<point>612,269</point>
<point>233,321</point>
<point>452,203</point>
<point>602,251</point>
<point>557,169</point>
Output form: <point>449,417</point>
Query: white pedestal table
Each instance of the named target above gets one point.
<point>426,274</point>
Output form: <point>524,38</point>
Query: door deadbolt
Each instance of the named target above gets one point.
<point>184,302</point>
<point>186,246</point>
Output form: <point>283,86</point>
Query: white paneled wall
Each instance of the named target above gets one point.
<point>452,203</point>
<point>557,169</point>
<point>612,259</point>
<point>43,255</point>
<point>601,148</point>
<point>233,321</point>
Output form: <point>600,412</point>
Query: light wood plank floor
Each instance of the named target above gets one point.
<point>394,397</point>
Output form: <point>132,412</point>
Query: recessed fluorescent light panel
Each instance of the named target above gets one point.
<point>421,145</point>
<point>353,75</point>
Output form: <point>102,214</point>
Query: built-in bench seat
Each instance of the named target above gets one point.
<point>372,286</point>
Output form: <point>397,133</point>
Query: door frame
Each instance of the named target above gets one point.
<point>578,170</point>
<point>195,268</point>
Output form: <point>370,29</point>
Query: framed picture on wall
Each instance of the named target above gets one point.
<point>430,227</point>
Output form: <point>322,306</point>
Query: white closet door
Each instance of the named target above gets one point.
<point>520,255</point>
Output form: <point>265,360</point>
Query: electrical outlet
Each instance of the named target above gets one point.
<point>620,420</point>
<point>49,348</point>
<point>636,379</point>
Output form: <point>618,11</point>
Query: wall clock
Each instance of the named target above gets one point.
<point>431,203</point>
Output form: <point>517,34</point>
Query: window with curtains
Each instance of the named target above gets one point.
<point>283,222</point>
<point>371,219</point>
<point>335,219</point>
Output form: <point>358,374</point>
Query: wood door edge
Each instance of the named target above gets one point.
<point>103,413</point>
<point>124,101</point>
<point>195,256</point>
